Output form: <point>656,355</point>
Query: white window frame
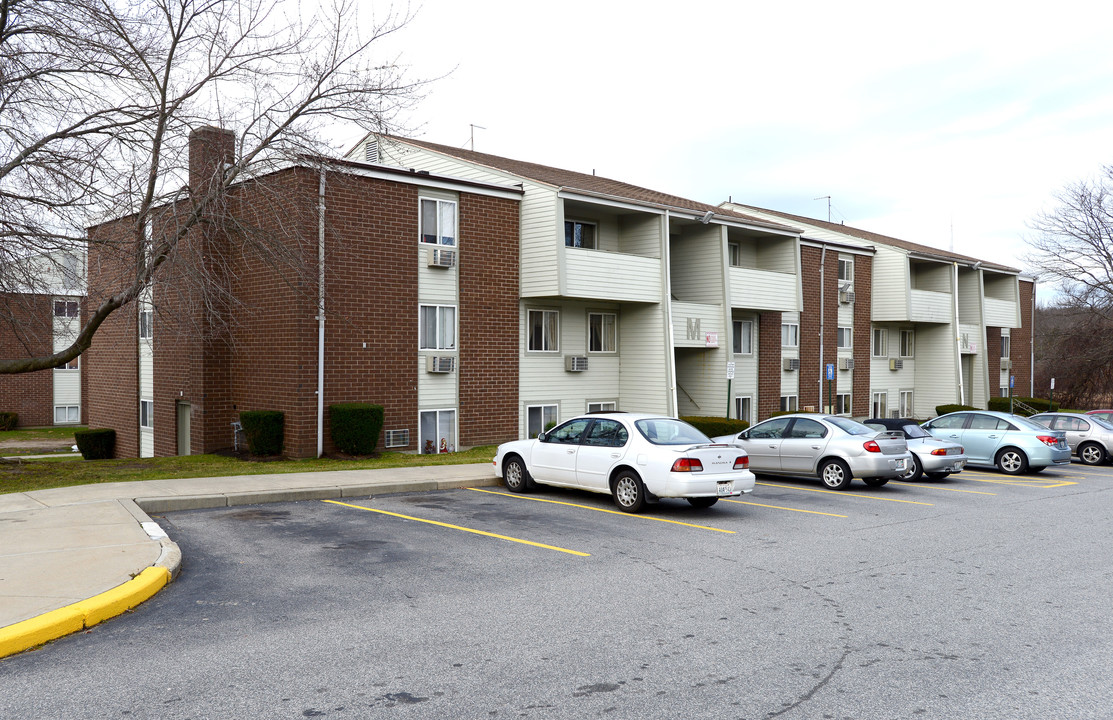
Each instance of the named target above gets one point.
<point>542,408</point>
<point>742,333</point>
<point>146,324</point>
<point>844,337</point>
<point>441,341</point>
<point>70,308</point>
<point>880,343</point>
<point>72,414</point>
<point>790,335</point>
<point>907,343</point>
<point>907,406</point>
<point>74,364</point>
<point>603,332</point>
<point>548,344</point>
<point>437,422</point>
<point>879,400</point>
<point>440,237</point>
<point>583,224</point>
<point>734,254</point>
<point>1006,347</point>
<point>602,406</point>
<point>147,414</point>
<point>1004,391</point>
<point>841,400</point>
<point>790,403</point>
<point>743,407</point>
<point>846,270</point>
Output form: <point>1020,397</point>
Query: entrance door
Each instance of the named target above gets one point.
<point>967,379</point>
<point>183,428</point>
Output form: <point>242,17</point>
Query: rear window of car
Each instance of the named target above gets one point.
<point>667,431</point>
<point>851,426</point>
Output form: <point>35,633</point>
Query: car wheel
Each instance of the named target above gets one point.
<point>514,474</point>
<point>875,481</point>
<point>915,472</point>
<point>936,476</point>
<point>703,502</point>
<point>1011,461</point>
<point>1091,454</point>
<point>835,474</point>
<point>629,492</point>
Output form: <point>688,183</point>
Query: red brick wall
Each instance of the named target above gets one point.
<point>26,330</point>
<point>769,365</point>
<point>1021,343</point>
<point>863,302</point>
<point>993,359</point>
<point>811,372</point>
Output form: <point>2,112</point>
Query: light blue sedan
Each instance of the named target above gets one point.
<point>1014,444</point>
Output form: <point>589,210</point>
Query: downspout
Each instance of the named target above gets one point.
<point>822,296</point>
<point>674,407</point>
<point>1032,344</point>
<point>958,341</point>
<point>321,314</point>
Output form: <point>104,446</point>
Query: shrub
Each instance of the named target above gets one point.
<point>96,443</point>
<point>715,426</point>
<point>355,427</point>
<point>8,420</point>
<point>264,431</point>
<point>944,409</point>
<point>1038,404</point>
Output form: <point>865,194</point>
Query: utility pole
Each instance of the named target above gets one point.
<point>828,199</point>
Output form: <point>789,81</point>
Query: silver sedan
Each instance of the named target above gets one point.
<point>1089,437</point>
<point>931,458</point>
<point>833,448</point>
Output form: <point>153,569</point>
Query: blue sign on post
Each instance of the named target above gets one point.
<point>1012,381</point>
<point>830,371</point>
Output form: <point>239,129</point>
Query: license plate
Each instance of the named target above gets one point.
<point>726,487</point>
<point>956,467</point>
<point>901,464</point>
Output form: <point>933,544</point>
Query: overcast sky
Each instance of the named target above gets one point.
<point>949,124</point>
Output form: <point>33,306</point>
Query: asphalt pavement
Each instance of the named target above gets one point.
<point>73,557</point>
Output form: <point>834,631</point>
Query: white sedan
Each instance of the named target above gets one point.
<point>637,458</point>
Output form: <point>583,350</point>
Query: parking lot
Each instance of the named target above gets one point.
<point>983,596</point>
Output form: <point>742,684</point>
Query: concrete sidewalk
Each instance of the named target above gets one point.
<point>73,557</point>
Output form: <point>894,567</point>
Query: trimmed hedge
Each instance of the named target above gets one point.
<point>264,431</point>
<point>8,420</point>
<point>355,427</point>
<point>715,426</point>
<point>96,443</point>
<point>1040,404</point>
<point>944,409</point>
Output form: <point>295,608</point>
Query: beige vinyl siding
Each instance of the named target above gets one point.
<point>642,234</point>
<point>890,286</point>
<point>702,375</point>
<point>616,277</point>
<point>930,306</point>
<point>436,391</point>
<point>696,259</point>
<point>645,383</point>
<point>1001,313</point>
<point>67,383</point>
<point>691,322</point>
<point>763,290</point>
<point>969,297</point>
<point>436,285</point>
<point>936,377</point>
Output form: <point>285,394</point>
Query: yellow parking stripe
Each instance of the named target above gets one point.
<point>940,487</point>
<point>458,527</point>
<point>778,507</point>
<point>604,510</point>
<point>1046,483</point>
<point>843,493</point>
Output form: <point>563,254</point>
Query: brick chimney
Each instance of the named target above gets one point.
<point>210,148</point>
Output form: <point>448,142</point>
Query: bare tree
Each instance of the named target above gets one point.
<point>97,100</point>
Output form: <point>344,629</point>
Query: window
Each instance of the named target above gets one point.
<point>846,270</point>
<point>74,364</point>
<point>66,308</point>
<point>770,429</point>
<point>845,337</point>
<point>569,433</point>
<point>540,418</point>
<point>880,344</point>
<point>1006,346</point>
<point>734,254</point>
<point>788,403</point>
<point>1004,391</point>
<point>906,407</point>
<point>806,429</point>
<point>437,327</point>
<point>743,337</point>
<point>544,326</point>
<point>607,433</point>
<point>146,413</point>
<point>67,414</point>
<point>842,404</point>
<point>907,349</point>
<point>880,405</point>
<point>593,407</point>
<point>146,324</point>
<point>742,408</point>
<point>950,422</point>
<point>602,332</point>
<point>438,222</point>
<point>579,234</point>
<point>790,335</point>
<point>438,431</point>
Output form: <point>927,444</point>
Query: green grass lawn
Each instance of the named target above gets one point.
<point>19,475</point>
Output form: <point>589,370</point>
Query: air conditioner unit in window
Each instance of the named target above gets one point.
<point>442,257</point>
<point>846,363</point>
<point>396,438</point>
<point>809,408</point>
<point>575,363</point>
<point>1006,364</point>
<point>440,364</point>
<point>790,363</point>
<point>846,297</point>
<point>896,364</point>
<point>894,413</point>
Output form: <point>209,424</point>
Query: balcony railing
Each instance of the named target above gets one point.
<point>763,290</point>
<point>620,277</point>
<point>930,306</point>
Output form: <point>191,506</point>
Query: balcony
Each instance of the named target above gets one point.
<point>763,290</point>
<point>618,277</point>
<point>931,307</point>
<point>691,322</point>
<point>1001,313</point>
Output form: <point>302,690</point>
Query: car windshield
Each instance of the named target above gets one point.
<point>913,430</point>
<point>667,431</point>
<point>850,426</point>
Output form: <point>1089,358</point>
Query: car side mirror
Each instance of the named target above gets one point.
<point>542,436</point>
<point>744,435</point>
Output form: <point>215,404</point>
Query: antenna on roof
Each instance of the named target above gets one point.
<point>828,199</point>
<point>473,127</point>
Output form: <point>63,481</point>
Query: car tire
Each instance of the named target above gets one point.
<point>514,474</point>
<point>1092,454</point>
<point>835,474</point>
<point>1011,461</point>
<point>916,472</point>
<point>936,476</point>
<point>703,502</point>
<point>875,481</point>
<point>628,492</point>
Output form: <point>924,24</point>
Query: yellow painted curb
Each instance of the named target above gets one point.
<point>73,618</point>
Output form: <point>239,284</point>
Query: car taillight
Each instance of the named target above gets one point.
<point>687,465</point>
<point>742,462</point>
<point>1048,440</point>
<point>871,446</point>
<point>939,451</point>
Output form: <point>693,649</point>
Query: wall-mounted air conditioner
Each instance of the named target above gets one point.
<point>440,364</point>
<point>575,363</point>
<point>790,363</point>
<point>396,438</point>
<point>846,297</point>
<point>846,363</point>
<point>1006,364</point>
<point>896,364</point>
<point>442,257</point>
